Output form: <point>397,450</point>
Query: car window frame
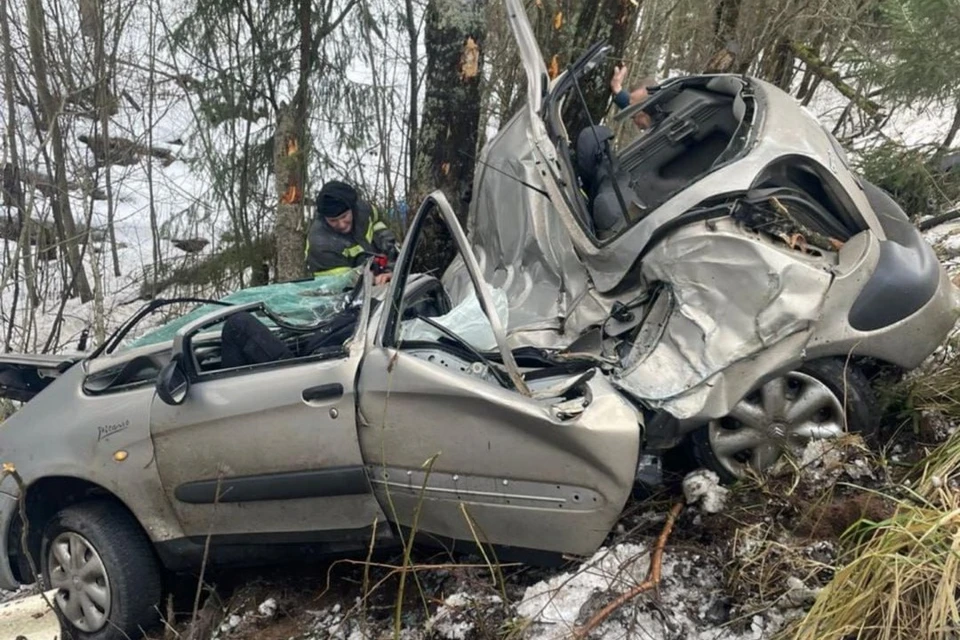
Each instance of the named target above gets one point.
<point>388,334</point>
<point>183,340</point>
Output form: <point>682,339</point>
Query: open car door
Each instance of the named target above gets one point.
<point>466,441</point>
<point>22,375</point>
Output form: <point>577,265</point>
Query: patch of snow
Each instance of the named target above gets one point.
<point>268,608</point>
<point>555,604</point>
<point>231,623</point>
<point>691,591</point>
<point>703,487</point>
<point>452,620</point>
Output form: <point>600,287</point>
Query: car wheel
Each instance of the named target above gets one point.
<point>787,412</point>
<point>102,565</point>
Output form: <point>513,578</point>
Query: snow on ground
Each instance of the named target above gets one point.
<point>687,605</point>
<point>703,487</point>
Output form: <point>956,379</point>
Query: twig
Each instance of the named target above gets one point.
<point>652,581</point>
<point>428,465</point>
<point>206,549</point>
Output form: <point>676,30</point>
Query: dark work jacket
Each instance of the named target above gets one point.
<point>329,252</point>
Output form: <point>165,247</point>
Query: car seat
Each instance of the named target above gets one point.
<point>601,174</point>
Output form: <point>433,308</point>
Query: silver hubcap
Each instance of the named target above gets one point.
<point>78,574</point>
<point>785,413</point>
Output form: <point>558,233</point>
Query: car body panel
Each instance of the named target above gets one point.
<point>562,283</point>
<point>452,453</point>
<point>68,434</point>
<point>281,437</point>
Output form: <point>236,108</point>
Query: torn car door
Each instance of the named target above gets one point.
<point>462,444</point>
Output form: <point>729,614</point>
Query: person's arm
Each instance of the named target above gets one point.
<point>621,97</point>
<point>384,240</point>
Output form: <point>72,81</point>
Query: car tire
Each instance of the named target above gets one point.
<point>845,398</point>
<point>104,564</point>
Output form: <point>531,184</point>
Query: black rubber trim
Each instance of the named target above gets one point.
<point>253,549</point>
<point>323,392</point>
<point>323,483</point>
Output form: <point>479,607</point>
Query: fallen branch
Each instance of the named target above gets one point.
<point>652,581</point>
<point>936,221</point>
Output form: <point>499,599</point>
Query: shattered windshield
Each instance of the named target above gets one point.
<point>301,303</point>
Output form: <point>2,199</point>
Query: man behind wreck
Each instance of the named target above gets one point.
<point>345,231</point>
<point>623,98</point>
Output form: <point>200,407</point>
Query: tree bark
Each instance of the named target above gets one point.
<point>290,145</point>
<point>61,209</point>
<point>952,133</point>
<point>413,109</point>
<point>727,51</point>
<point>610,21</point>
<point>447,146</point>
<point>103,107</point>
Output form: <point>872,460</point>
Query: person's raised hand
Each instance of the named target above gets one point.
<point>616,82</point>
<point>382,278</point>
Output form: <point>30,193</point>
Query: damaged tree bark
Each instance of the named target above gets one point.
<point>289,173</point>
<point>447,146</point>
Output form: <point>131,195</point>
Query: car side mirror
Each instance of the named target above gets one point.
<point>172,382</point>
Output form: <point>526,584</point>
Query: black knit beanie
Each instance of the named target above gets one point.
<point>335,197</point>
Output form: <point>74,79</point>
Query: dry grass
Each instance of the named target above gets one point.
<point>902,574</point>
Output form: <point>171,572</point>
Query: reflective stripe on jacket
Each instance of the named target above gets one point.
<point>329,252</point>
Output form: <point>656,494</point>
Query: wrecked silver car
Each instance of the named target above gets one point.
<point>723,278</point>
<point>411,415</point>
<point>727,267</point>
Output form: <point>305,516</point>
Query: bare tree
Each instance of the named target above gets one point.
<point>448,133</point>
<point>51,111</point>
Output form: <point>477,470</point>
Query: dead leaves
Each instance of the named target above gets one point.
<point>558,20</point>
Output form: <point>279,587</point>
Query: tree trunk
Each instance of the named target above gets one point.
<point>290,144</point>
<point>14,194</point>
<point>447,146</point>
<point>413,110</point>
<point>952,134</point>
<point>50,111</point>
<point>104,108</point>
<point>726,18</point>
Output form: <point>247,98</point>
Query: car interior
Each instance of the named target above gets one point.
<point>697,125</point>
<point>425,296</point>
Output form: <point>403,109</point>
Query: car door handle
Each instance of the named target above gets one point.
<point>323,392</point>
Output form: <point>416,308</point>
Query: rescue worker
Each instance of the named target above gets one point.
<point>345,230</point>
